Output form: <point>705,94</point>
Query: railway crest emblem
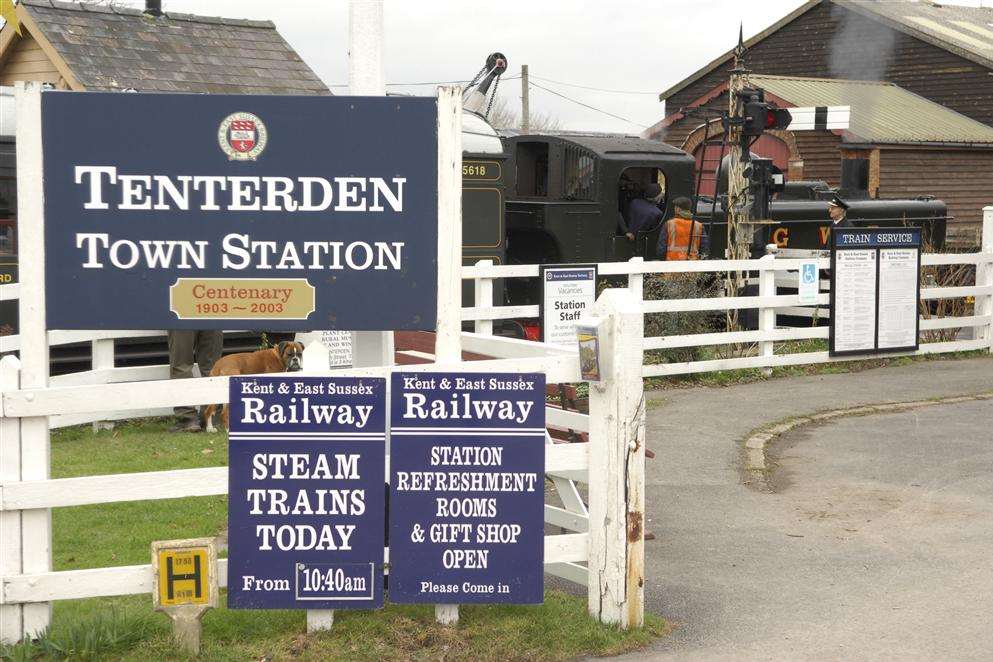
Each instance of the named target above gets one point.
<point>242,136</point>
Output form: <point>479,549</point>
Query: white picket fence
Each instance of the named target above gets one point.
<point>773,272</point>
<point>30,404</point>
<point>29,584</point>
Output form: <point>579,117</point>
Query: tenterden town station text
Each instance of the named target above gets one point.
<point>108,188</point>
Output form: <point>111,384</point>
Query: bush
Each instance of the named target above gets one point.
<point>680,286</point>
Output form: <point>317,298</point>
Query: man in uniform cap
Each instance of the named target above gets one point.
<point>838,211</point>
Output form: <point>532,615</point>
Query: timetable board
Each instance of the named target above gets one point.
<point>875,289</point>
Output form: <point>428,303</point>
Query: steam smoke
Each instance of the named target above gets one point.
<point>861,47</point>
<point>861,50</point>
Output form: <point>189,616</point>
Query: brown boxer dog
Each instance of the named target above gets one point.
<point>284,357</point>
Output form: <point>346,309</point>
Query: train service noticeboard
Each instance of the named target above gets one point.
<point>467,462</point>
<point>567,292</point>
<point>875,290</point>
<point>306,497</point>
<point>211,211</point>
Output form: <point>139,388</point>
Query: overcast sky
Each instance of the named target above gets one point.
<point>642,46</point>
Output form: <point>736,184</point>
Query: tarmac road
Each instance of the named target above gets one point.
<point>875,541</point>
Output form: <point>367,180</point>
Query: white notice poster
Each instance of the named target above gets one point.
<point>897,298</point>
<point>854,315</point>
<point>339,345</point>
<point>568,292</point>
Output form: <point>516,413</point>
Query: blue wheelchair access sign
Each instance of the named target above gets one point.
<point>809,286</point>
<point>306,497</point>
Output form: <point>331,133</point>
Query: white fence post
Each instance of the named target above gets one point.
<point>617,467</point>
<point>767,315</point>
<point>11,615</point>
<point>984,277</point>
<point>483,288</point>
<point>102,352</point>
<point>36,525</point>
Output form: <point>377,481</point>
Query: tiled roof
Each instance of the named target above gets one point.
<point>882,113</point>
<point>112,48</point>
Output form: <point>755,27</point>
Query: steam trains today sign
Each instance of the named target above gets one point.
<point>219,211</point>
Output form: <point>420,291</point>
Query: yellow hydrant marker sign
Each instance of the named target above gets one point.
<point>242,298</point>
<point>184,585</point>
<point>183,577</point>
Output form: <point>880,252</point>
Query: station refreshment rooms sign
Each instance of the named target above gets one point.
<point>467,484</point>
<point>875,290</point>
<point>220,211</point>
<point>567,292</point>
<point>306,498</point>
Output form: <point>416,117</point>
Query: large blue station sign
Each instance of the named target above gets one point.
<point>184,211</point>
<point>306,497</point>
<point>467,462</point>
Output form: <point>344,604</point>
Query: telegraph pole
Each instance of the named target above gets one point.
<point>525,100</point>
<point>739,211</point>
<point>740,228</point>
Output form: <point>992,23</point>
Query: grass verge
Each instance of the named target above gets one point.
<point>125,628</point>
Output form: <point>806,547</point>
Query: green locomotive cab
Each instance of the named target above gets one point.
<point>567,196</point>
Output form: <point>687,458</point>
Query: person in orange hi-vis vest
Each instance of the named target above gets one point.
<point>681,237</point>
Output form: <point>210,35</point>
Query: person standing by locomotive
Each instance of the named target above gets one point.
<point>838,211</point>
<point>681,237</point>
<point>185,349</point>
<point>643,213</point>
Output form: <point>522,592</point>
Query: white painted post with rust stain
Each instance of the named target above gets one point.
<point>448,337</point>
<point>617,479</point>
<point>984,277</point>
<point>36,524</point>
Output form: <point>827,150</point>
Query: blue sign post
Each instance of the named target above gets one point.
<point>467,462</point>
<point>188,211</point>
<point>306,497</point>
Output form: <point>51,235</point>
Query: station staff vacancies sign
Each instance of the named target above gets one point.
<point>306,502</point>
<point>467,462</point>
<point>219,211</point>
